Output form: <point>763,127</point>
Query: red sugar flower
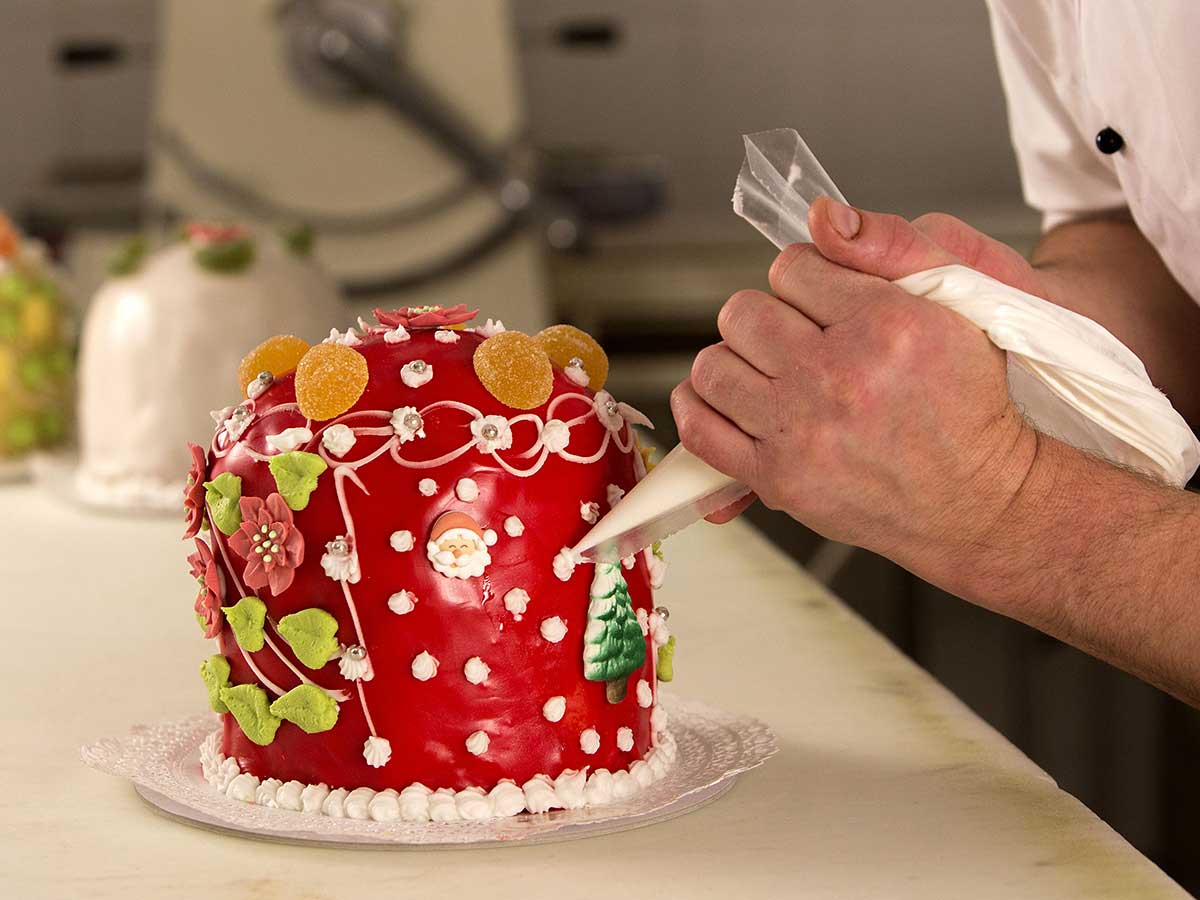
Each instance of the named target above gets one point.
<point>214,233</point>
<point>193,493</point>
<point>208,577</point>
<point>269,542</point>
<point>425,316</point>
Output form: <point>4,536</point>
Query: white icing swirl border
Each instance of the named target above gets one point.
<point>539,794</point>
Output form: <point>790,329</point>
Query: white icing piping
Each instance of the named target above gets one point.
<point>572,789</point>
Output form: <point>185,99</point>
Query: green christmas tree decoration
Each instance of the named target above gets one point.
<point>222,495</point>
<point>246,618</point>
<point>296,474</point>
<point>307,706</point>
<point>215,673</point>
<point>666,660</point>
<point>312,635</point>
<point>613,644</point>
<point>252,709</point>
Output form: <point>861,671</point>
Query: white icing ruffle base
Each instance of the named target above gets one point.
<point>571,789</point>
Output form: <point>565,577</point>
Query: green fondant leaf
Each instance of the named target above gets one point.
<point>222,494</point>
<point>225,256</point>
<point>312,635</point>
<point>309,707</point>
<point>246,618</point>
<point>251,708</point>
<point>656,549</point>
<point>296,475</point>
<point>215,672</point>
<point>666,660</point>
<point>299,239</point>
<point>128,258</point>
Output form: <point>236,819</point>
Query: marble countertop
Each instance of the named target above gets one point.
<point>885,785</point>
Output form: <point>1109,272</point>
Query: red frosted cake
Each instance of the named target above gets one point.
<point>381,538</point>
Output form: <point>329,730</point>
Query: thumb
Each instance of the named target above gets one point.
<point>873,243</point>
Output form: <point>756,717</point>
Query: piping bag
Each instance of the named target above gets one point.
<point>1069,376</point>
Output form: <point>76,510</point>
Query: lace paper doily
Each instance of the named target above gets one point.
<point>163,762</point>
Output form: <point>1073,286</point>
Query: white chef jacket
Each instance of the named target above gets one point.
<point>1072,68</point>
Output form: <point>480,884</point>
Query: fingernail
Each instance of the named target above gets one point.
<point>845,219</point>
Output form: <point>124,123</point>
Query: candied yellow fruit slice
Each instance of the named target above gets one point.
<point>329,379</point>
<point>277,355</point>
<point>564,343</point>
<point>515,369</point>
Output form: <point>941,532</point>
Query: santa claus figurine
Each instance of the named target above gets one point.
<point>458,547</point>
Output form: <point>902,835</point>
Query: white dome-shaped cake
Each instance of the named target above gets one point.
<point>161,345</point>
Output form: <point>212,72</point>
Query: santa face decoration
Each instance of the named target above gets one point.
<point>458,547</point>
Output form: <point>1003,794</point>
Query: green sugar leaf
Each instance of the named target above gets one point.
<point>666,660</point>
<point>296,474</point>
<point>312,635</point>
<point>246,618</point>
<point>251,708</point>
<point>225,257</point>
<point>307,706</point>
<point>129,256</point>
<point>222,494</point>
<point>215,673</point>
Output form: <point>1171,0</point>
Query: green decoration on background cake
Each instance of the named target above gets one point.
<point>613,644</point>
<point>299,239</point>
<point>312,635</point>
<point>296,474</point>
<point>246,618</point>
<point>308,707</point>
<point>129,256</point>
<point>225,257</point>
<point>252,709</point>
<point>222,495</point>
<point>215,673</point>
<point>35,356</point>
<point>666,660</point>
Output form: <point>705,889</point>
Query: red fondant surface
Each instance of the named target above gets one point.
<point>428,722</point>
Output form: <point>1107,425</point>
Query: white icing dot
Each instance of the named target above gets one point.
<point>589,512</point>
<point>414,375</point>
<point>402,602</point>
<point>377,751</point>
<point>338,439</point>
<point>625,739</point>
<point>577,374</point>
<point>446,337</point>
<point>466,490</point>
<point>564,564</point>
<point>553,629</point>
<point>424,666</point>
<point>427,487</point>
<point>476,670</point>
<point>645,696</point>
<point>289,439</point>
<point>554,709</point>
<point>489,537</point>
<point>613,494</point>
<point>516,601</point>
<point>658,720</point>
<point>629,561</point>
<point>589,741</point>
<point>397,335</point>
<point>514,527</point>
<point>401,541</point>
<point>478,743</point>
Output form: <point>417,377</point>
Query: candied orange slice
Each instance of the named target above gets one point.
<point>565,343</point>
<point>329,380</point>
<point>515,369</point>
<point>277,355</point>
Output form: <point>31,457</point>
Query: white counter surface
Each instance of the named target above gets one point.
<point>885,785</point>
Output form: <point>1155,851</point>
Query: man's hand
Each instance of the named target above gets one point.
<point>872,416</point>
